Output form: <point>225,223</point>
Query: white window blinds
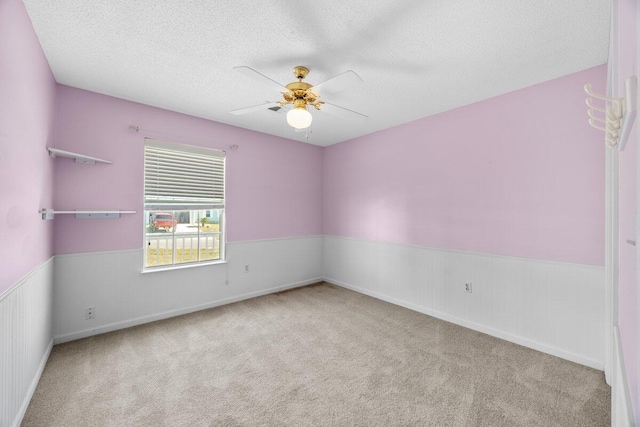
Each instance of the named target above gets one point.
<point>180,176</point>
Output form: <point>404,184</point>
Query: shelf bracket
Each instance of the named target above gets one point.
<point>47,214</point>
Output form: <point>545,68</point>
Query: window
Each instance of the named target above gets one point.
<point>183,203</point>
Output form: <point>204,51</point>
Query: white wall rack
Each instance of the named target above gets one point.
<point>106,214</point>
<point>615,118</point>
<point>79,158</point>
<point>48,213</point>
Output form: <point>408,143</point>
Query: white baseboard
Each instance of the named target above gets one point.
<point>553,307</point>
<point>172,313</point>
<point>33,385</point>
<point>122,296</point>
<point>550,306</point>
<point>621,406</point>
<point>476,327</point>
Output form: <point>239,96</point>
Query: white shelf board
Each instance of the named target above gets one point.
<point>80,214</point>
<point>79,158</point>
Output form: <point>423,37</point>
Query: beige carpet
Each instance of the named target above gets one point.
<point>315,356</point>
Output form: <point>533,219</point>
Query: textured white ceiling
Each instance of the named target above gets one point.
<point>417,58</point>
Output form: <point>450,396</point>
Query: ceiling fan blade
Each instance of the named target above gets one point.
<point>337,83</point>
<point>255,108</point>
<point>259,77</point>
<point>343,112</point>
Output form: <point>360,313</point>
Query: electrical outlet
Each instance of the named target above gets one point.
<point>246,268</point>
<point>89,313</point>
<point>468,287</point>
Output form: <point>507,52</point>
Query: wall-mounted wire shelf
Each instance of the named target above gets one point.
<point>79,158</point>
<point>80,214</point>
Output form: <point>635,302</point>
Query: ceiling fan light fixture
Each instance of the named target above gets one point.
<point>299,118</point>
<point>302,94</point>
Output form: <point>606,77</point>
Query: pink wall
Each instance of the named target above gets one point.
<point>520,174</point>
<point>27,91</point>
<point>625,58</point>
<point>272,183</point>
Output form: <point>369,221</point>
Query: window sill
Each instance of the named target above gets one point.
<point>181,266</point>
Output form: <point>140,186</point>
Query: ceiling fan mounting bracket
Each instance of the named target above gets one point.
<point>300,72</point>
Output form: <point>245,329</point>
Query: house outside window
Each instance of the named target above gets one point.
<point>184,204</point>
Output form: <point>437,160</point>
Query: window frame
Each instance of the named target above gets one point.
<point>191,205</point>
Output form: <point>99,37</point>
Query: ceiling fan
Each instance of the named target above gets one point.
<point>301,94</point>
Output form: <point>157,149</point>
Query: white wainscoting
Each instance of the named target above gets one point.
<point>554,307</point>
<point>26,339</point>
<point>123,296</point>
